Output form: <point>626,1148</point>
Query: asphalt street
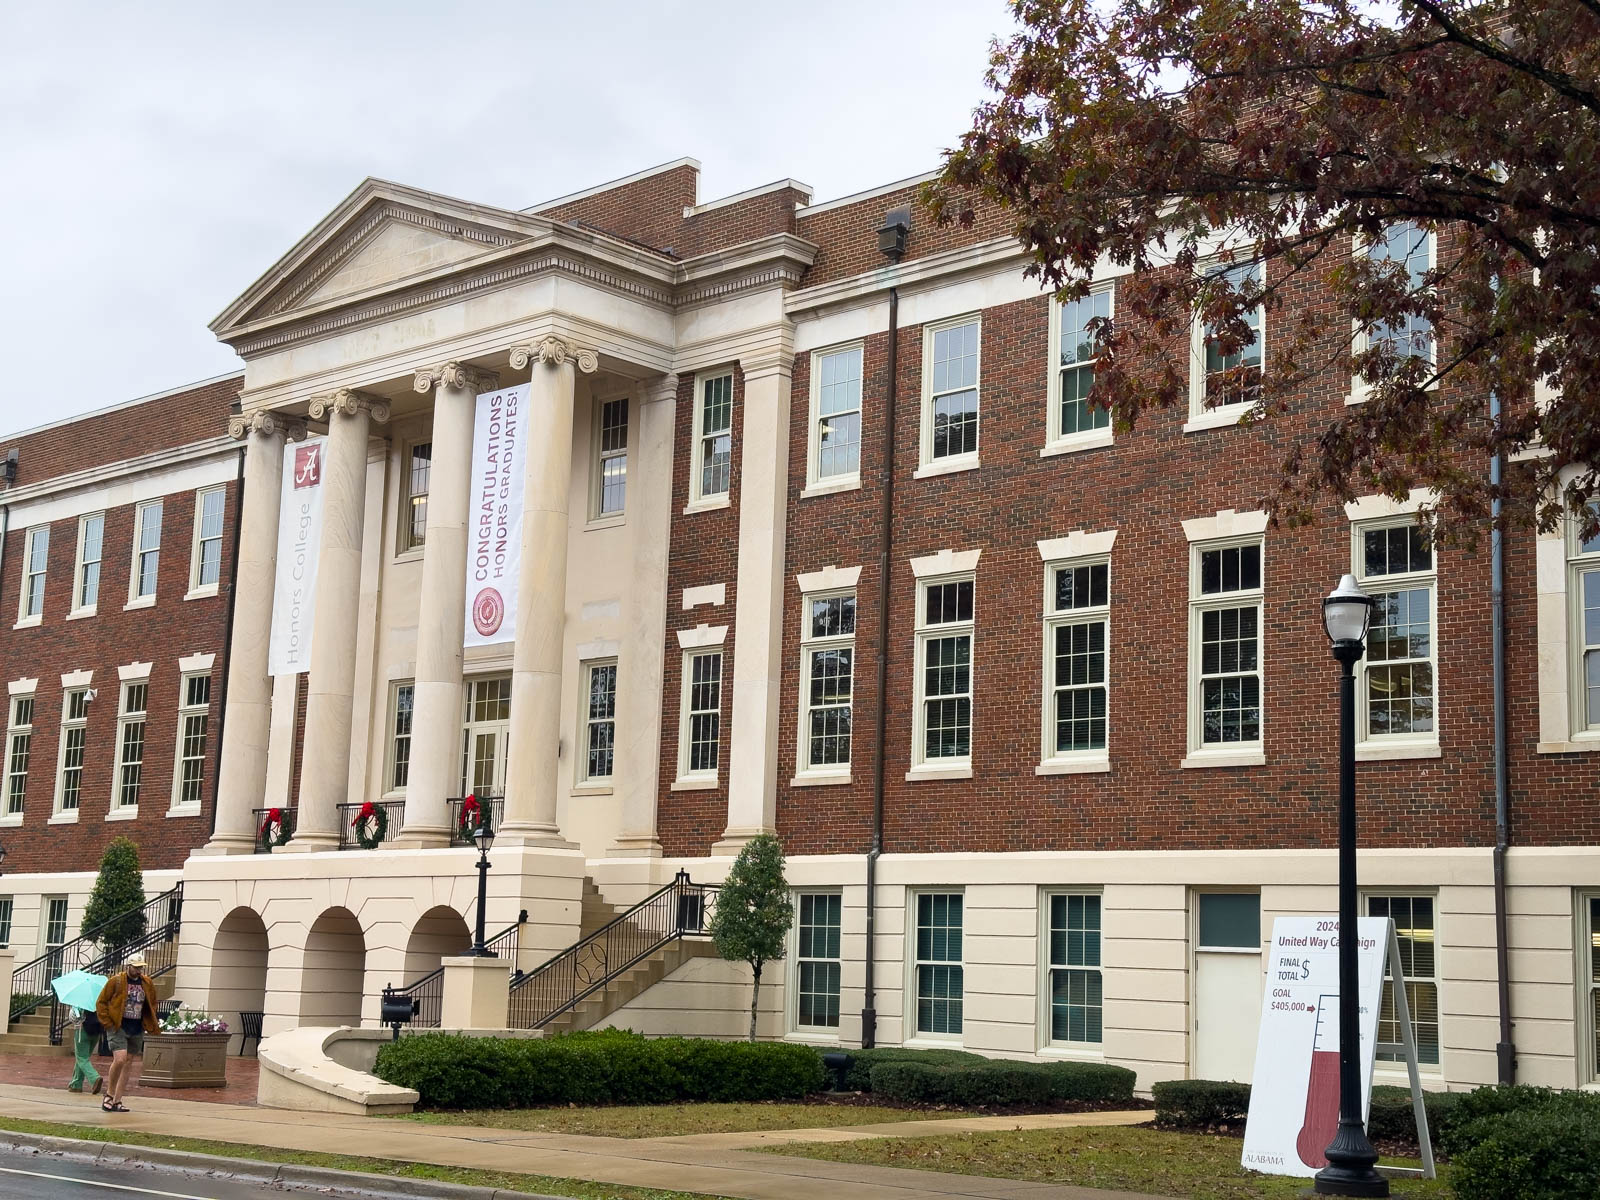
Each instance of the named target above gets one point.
<point>25,1176</point>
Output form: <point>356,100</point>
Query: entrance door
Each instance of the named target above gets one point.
<point>485,736</point>
<point>1227,984</point>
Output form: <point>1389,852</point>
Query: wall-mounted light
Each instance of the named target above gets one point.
<point>894,231</point>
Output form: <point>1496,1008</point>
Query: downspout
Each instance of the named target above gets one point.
<point>1505,1050</point>
<point>892,242</point>
<point>227,630</point>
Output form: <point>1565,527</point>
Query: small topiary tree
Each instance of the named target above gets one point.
<point>754,912</point>
<point>118,897</point>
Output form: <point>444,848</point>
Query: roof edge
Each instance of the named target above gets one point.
<point>121,404</point>
<point>585,193</point>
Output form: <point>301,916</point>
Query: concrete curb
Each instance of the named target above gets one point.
<point>287,1175</point>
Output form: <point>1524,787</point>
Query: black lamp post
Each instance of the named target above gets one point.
<point>483,835</point>
<point>1352,1162</point>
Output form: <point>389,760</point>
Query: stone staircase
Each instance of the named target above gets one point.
<point>31,1035</point>
<point>629,985</point>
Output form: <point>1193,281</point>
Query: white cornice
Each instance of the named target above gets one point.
<point>823,206</point>
<point>221,447</point>
<point>750,194</point>
<point>947,264</point>
<point>570,197</point>
<point>778,259</point>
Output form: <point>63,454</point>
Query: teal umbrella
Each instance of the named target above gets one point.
<point>80,989</point>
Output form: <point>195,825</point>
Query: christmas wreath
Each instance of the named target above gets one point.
<point>467,824</point>
<point>370,825</point>
<point>274,830</point>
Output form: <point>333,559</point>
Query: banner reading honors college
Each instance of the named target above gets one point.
<point>494,518</point>
<point>299,538</point>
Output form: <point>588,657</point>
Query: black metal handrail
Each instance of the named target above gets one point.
<point>427,993</point>
<point>160,950</point>
<point>394,809</point>
<point>31,981</point>
<point>287,815</point>
<point>679,910</point>
<point>497,812</point>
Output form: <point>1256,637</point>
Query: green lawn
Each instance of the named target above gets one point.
<point>543,1184</point>
<point>672,1120</point>
<point>1132,1158</point>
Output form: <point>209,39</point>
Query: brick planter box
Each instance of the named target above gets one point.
<point>185,1060</point>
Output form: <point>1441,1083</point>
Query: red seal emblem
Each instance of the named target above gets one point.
<point>488,611</point>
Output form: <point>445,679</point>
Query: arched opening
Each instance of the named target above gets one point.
<point>239,970</point>
<point>439,932</point>
<point>335,964</point>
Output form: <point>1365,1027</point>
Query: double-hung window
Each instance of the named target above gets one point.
<point>205,571</point>
<point>19,748</point>
<point>835,443</point>
<point>1227,382</point>
<point>1225,647</point>
<point>1583,586</point>
<point>1073,993</point>
<point>415,478</point>
<point>86,576</point>
<point>146,552</point>
<point>1589,984</point>
<point>599,722</point>
<point>35,557</point>
<point>1076,635</point>
<point>711,472</point>
<point>188,780</point>
<point>611,458</point>
<point>1419,961</point>
<point>944,672</point>
<point>1407,248</point>
<point>827,679</point>
<point>5,922</point>
<point>74,732</point>
<point>817,961</point>
<point>938,975</point>
<point>400,737</point>
<point>700,729</point>
<point>950,394</point>
<point>1399,673</point>
<point>1072,420</point>
<point>130,744</point>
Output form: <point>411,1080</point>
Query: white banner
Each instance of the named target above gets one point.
<point>494,517</point>
<point>299,538</point>
<point>1294,1098</point>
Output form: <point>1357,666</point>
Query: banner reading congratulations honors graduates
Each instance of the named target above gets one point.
<point>494,518</point>
<point>299,538</point>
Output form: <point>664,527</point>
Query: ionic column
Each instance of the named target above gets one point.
<point>247,721</point>
<point>325,758</point>
<point>436,714</point>
<point>758,622</point>
<point>644,630</point>
<point>535,736</point>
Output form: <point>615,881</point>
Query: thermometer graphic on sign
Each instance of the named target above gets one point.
<point>1322,1089</point>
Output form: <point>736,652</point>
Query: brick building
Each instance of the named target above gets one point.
<point>115,571</point>
<point>1109,740</point>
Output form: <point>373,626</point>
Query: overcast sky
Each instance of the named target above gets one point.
<point>158,157</point>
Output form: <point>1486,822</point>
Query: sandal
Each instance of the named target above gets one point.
<point>119,1106</point>
<point>107,1105</point>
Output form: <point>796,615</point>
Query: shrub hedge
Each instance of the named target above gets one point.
<point>1200,1103</point>
<point>1391,1115</point>
<point>858,1075</point>
<point>994,1083</point>
<point>1550,1151</point>
<point>603,1067</point>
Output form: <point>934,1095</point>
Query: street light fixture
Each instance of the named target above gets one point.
<point>483,836</point>
<point>1352,1162</point>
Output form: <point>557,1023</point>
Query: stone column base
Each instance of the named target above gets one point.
<point>477,993</point>
<point>222,844</point>
<point>733,841</point>
<point>643,845</point>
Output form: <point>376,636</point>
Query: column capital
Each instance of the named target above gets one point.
<point>554,351</point>
<point>455,374</point>
<point>662,387</point>
<point>267,423</point>
<point>348,402</point>
<point>768,360</point>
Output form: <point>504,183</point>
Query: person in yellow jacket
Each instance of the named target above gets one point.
<point>127,1009</point>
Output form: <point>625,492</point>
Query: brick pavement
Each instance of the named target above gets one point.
<point>53,1071</point>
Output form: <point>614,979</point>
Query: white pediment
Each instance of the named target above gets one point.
<point>396,250</point>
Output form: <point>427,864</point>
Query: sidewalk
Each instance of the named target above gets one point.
<point>705,1163</point>
<point>46,1071</point>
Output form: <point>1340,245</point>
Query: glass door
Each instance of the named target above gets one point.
<point>486,736</point>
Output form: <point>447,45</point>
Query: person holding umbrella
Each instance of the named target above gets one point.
<point>127,1008</point>
<point>80,991</point>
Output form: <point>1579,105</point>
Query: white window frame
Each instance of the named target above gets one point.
<point>70,724</point>
<point>600,456</point>
<point>927,464</point>
<point>127,717</point>
<point>499,730</point>
<point>144,515</point>
<point>1047,968</point>
<point>1579,564</point>
<point>185,712</point>
<point>1219,754</point>
<point>821,1033</point>
<point>1360,389</point>
<point>818,484</point>
<point>1397,1064</point>
<point>46,905</point>
<point>408,544</point>
<point>391,758</point>
<point>1051,760</point>
<point>7,908</point>
<point>954,767</point>
<point>1218,416</point>
<point>83,605</point>
<point>700,777</point>
<point>1057,441</point>
<point>587,721</point>
<point>805,770</point>
<point>196,588</point>
<point>1370,746</point>
<point>35,545</point>
<point>16,729</point>
<point>699,498</point>
<point>913,1034</point>
<point>1588,948</point>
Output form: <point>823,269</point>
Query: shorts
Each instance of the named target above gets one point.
<point>133,1043</point>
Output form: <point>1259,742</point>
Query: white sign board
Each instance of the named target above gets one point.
<point>1294,1097</point>
<point>299,539</point>
<point>494,517</point>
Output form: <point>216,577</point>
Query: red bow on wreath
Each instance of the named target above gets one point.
<point>369,809</point>
<point>469,813</point>
<point>274,817</point>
